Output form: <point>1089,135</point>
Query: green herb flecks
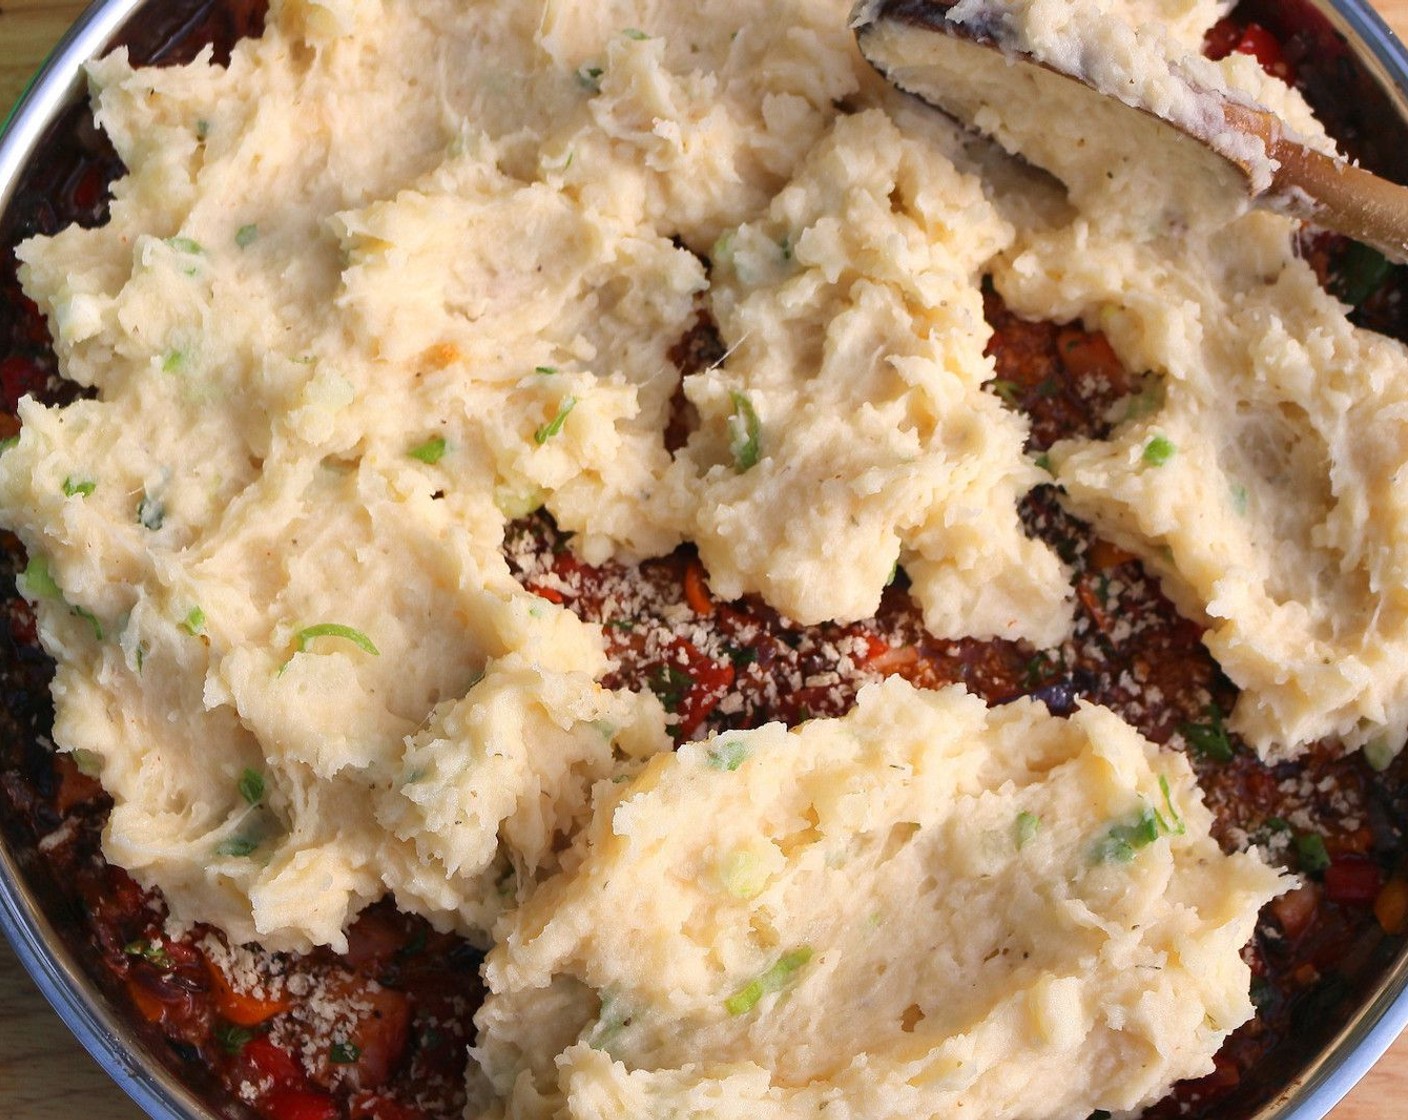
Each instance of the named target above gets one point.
<point>153,952</point>
<point>1120,844</point>
<point>92,620</point>
<point>8,442</point>
<point>1178,828</point>
<point>237,847</point>
<point>775,979</point>
<point>589,78</point>
<point>186,245</point>
<point>430,452</point>
<point>89,764</point>
<point>345,1053</point>
<point>334,630</point>
<point>1009,391</point>
<point>1314,857</point>
<point>251,786</point>
<point>553,426</point>
<point>1028,825</point>
<point>728,755</point>
<point>38,581</point>
<point>246,236</point>
<point>194,622</point>
<point>1209,739</point>
<point>546,371</point>
<point>233,1039</point>
<point>78,487</point>
<point>744,430</point>
<point>671,684</point>
<point>634,33</point>
<point>1158,451</point>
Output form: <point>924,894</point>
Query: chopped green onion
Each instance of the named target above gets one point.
<point>1209,739</point>
<point>634,33</point>
<point>345,1053</point>
<point>79,487</point>
<point>153,952</point>
<point>232,1039</point>
<point>1123,840</point>
<point>92,620</point>
<point>335,630</point>
<point>727,756</point>
<point>1179,827</point>
<point>1009,391</point>
<point>546,371</point>
<point>8,442</point>
<point>186,245</point>
<point>1044,462</point>
<point>237,846</point>
<point>194,622</point>
<point>38,582</point>
<point>88,763</point>
<point>202,129</point>
<point>1158,451</point>
<point>1028,825</point>
<point>173,361</point>
<point>786,246</point>
<point>150,513</point>
<point>246,236</point>
<point>589,78</point>
<point>1310,846</point>
<point>431,451</point>
<point>773,980</point>
<point>553,426</point>
<point>744,429</point>
<point>251,786</point>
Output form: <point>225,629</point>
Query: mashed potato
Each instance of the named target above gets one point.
<point>926,908</point>
<point>403,272</point>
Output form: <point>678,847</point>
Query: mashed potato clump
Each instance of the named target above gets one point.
<point>925,908</point>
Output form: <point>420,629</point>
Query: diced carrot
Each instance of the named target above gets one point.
<point>1391,906</point>
<point>241,1008</point>
<point>1103,555</point>
<point>696,590</point>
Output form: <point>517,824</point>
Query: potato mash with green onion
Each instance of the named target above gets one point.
<point>404,272</point>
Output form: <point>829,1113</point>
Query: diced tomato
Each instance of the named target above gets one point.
<point>268,1062</point>
<point>241,1008</point>
<point>551,594</point>
<point>1353,881</point>
<point>1229,37</point>
<point>298,1104</point>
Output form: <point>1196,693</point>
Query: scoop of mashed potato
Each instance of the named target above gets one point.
<point>925,908</point>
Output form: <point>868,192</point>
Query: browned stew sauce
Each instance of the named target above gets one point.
<point>381,1031</point>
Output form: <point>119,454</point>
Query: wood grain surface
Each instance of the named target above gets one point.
<point>44,1073</point>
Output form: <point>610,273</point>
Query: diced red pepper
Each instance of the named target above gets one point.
<point>1229,37</point>
<point>270,1062</point>
<point>1353,881</point>
<point>298,1104</point>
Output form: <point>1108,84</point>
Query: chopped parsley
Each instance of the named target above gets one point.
<point>345,1053</point>
<point>743,432</point>
<point>233,1039</point>
<point>1209,739</point>
<point>775,979</point>
<point>80,487</point>
<point>671,684</point>
<point>553,426</point>
<point>251,786</point>
<point>246,236</point>
<point>728,755</point>
<point>431,451</point>
<point>1158,451</point>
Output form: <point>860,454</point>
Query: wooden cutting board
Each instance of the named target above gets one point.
<point>44,1073</point>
